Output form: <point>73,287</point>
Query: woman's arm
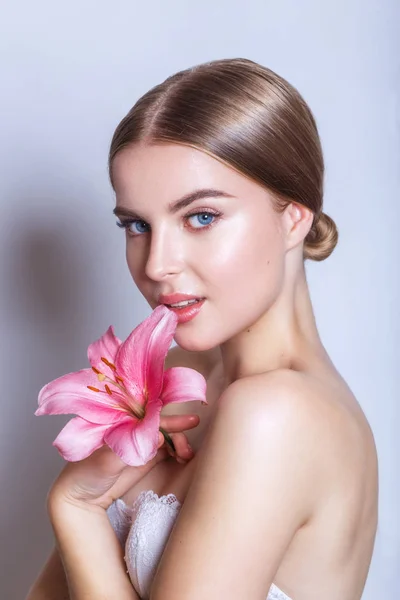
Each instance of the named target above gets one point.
<point>232,533</point>
<point>90,552</point>
<point>51,584</point>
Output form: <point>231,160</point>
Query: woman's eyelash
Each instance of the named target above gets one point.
<point>125,223</point>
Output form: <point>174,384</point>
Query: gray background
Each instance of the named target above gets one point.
<point>69,73</point>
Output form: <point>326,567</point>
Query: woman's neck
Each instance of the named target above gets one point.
<point>284,336</point>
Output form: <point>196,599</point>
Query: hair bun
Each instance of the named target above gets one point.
<point>321,239</point>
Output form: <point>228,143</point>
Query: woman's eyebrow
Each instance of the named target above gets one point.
<point>183,202</point>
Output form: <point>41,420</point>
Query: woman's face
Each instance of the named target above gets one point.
<point>228,248</point>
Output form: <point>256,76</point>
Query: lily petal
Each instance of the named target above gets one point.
<point>141,357</point>
<point>69,395</point>
<point>137,442</point>
<point>182,384</point>
<point>79,439</point>
<point>107,346</point>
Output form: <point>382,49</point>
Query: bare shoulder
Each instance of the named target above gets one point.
<point>271,410</point>
<point>297,394</point>
<point>278,398</point>
<point>323,417</point>
<point>275,391</point>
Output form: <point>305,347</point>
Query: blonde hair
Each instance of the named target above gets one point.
<point>251,119</point>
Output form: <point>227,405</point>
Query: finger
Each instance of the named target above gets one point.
<point>131,475</point>
<point>183,451</point>
<point>177,423</point>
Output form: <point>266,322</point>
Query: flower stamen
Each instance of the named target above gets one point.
<point>132,407</point>
<point>108,363</point>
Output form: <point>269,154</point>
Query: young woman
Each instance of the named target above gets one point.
<point>218,175</point>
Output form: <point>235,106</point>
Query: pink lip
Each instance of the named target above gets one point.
<point>174,298</point>
<point>188,312</point>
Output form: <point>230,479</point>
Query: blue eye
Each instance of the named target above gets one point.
<point>203,219</point>
<point>126,225</point>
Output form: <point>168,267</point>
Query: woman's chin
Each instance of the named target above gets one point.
<point>192,342</point>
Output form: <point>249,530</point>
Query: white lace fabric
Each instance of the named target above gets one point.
<point>144,530</point>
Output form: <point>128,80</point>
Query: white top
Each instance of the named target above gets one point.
<point>144,530</point>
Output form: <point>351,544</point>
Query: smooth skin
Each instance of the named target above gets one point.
<point>283,487</point>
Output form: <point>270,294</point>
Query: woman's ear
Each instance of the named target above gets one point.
<point>297,222</point>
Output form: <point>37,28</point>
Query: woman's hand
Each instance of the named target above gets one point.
<point>103,477</point>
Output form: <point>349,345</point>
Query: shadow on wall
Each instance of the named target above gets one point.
<point>47,300</point>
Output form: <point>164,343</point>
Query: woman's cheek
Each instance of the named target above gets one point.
<point>251,259</point>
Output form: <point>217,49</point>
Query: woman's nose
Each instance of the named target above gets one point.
<point>165,257</point>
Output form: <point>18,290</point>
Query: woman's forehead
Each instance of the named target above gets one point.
<point>172,170</point>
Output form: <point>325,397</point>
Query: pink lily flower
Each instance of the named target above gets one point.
<point>119,399</point>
